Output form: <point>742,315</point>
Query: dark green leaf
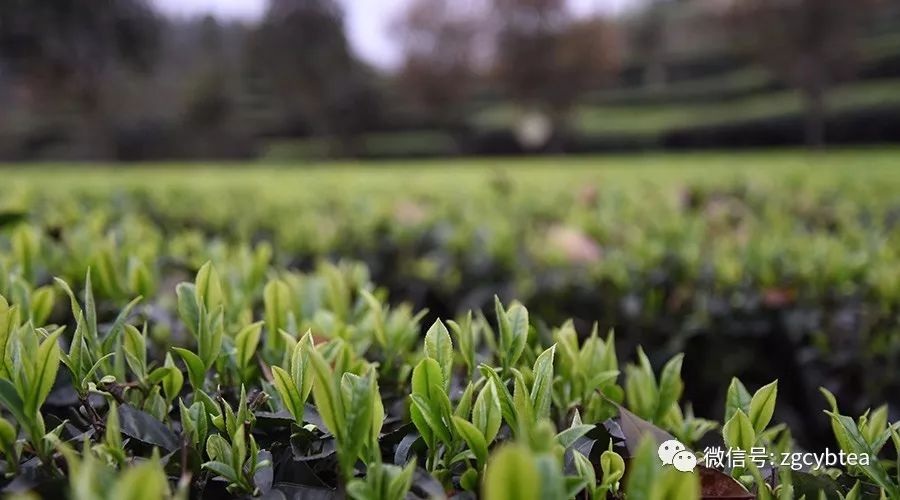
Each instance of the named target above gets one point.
<point>146,428</point>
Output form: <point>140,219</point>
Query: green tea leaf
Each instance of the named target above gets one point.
<point>542,389</point>
<point>675,485</point>
<point>135,351</point>
<point>876,423</point>
<point>468,481</point>
<point>522,403</point>
<point>439,347</point>
<point>573,485</point>
<point>146,481</point>
<point>139,278</point>
<point>158,375</point>
<point>473,438</point>
<point>612,466</point>
<point>357,489</point>
<point>77,358</point>
<point>762,406</point>
<point>377,413</point>
<point>738,432</point>
<point>209,405</point>
<point>47,366</point>
<point>301,369</point>
<point>217,449</point>
<point>670,387</point>
<point>552,483</point>
<point>465,339</point>
<point>402,482</point>
<point>854,442</point>
<point>568,436</point>
<point>188,306</point>
<point>464,405</point>
<point>112,342</point>
<point>507,406</point>
<point>238,448</point>
<point>7,437</point>
<point>378,316</point>
<point>277,300</point>
<point>8,320</point>
<point>511,474</point>
<point>90,375</point>
<point>188,426</point>
<point>210,336</point>
<point>644,471</point>
<point>327,395</point>
<point>10,399</point>
<point>641,390</point>
<point>427,380</point>
<point>854,493</point>
<point>486,414</point>
<point>222,469</point>
<point>200,418</point>
<point>25,249</point>
<point>518,323</point>
<point>507,344</point>
<point>155,404</point>
<point>42,301</point>
<point>113,436</point>
<point>246,342</point>
<point>737,398</point>
<point>430,415</point>
<point>356,393</point>
<point>585,468</point>
<point>173,381</point>
<point>290,396</point>
<point>209,287</point>
<point>90,311</point>
<point>196,370</point>
<point>105,263</point>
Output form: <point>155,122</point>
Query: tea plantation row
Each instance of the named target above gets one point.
<point>269,371</point>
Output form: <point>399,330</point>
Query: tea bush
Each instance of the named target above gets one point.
<point>300,384</point>
<point>172,333</point>
<point>778,265</point>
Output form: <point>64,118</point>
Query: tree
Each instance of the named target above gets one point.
<point>63,53</point>
<point>809,44</point>
<point>546,59</point>
<point>648,36</point>
<point>302,50</point>
<point>209,102</point>
<point>440,41</point>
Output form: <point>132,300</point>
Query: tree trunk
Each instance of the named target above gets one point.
<point>814,128</point>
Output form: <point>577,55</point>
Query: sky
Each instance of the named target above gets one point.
<point>367,20</point>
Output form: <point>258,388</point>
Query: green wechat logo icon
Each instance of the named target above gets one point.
<point>673,453</point>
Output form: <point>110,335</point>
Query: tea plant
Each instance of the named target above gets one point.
<point>773,272</point>
<point>237,458</point>
<point>250,380</point>
<point>30,362</point>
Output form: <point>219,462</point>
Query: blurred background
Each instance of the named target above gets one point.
<point>311,79</point>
